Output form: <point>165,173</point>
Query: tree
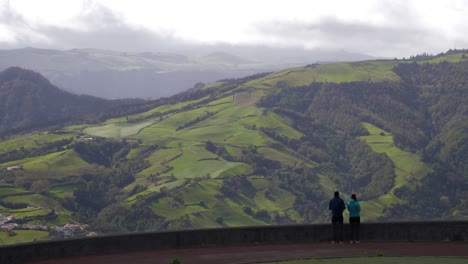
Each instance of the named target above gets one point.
<point>199,85</point>
<point>175,261</point>
<point>220,220</point>
<point>210,146</point>
<point>40,186</point>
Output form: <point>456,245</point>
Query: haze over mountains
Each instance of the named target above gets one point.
<point>114,74</point>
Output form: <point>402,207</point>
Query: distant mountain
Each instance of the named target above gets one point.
<point>113,74</point>
<point>223,58</point>
<point>27,100</point>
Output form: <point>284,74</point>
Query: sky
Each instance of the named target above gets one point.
<point>384,28</point>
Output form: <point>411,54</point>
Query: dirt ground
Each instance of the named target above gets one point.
<point>261,253</point>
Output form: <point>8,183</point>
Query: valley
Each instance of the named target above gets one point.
<point>260,150</point>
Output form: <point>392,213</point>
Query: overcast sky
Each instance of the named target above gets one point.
<point>378,28</point>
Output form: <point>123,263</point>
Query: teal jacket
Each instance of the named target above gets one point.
<point>354,208</point>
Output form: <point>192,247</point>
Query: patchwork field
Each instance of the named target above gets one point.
<point>368,71</point>
<point>32,140</point>
<point>409,168</point>
<point>249,151</point>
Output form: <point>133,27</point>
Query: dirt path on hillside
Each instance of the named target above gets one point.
<point>263,253</point>
<point>56,157</point>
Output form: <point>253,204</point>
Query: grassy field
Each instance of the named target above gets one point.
<point>22,236</point>
<point>143,115</point>
<point>373,71</point>
<point>39,205</point>
<point>235,169</point>
<point>379,260</point>
<point>274,199</point>
<point>10,190</point>
<point>281,125</point>
<point>35,200</point>
<point>364,71</point>
<point>408,166</point>
<point>197,162</point>
<point>231,124</point>
<point>286,157</point>
<point>168,126</point>
<point>54,165</point>
<point>32,140</point>
<point>271,198</point>
<point>202,206</point>
<point>157,160</point>
<point>38,162</point>
<point>409,169</point>
<point>446,58</point>
<point>25,212</point>
<point>155,189</point>
<point>69,159</point>
<point>226,126</point>
<point>60,190</point>
<point>198,198</point>
<point>119,130</point>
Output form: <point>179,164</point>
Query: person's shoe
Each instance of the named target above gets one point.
<point>333,242</point>
<point>352,242</point>
<point>341,242</point>
<point>357,242</point>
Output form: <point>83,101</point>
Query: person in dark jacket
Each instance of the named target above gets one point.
<point>354,218</point>
<point>337,207</point>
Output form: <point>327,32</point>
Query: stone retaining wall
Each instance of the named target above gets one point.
<point>402,231</point>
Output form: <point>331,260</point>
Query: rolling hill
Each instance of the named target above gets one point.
<point>263,149</point>
<point>28,100</point>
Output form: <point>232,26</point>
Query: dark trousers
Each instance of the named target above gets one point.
<point>337,222</point>
<point>354,223</point>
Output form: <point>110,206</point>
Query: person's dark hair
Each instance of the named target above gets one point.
<point>337,194</point>
<point>353,196</point>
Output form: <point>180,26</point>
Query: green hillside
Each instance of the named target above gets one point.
<point>28,101</point>
<point>264,149</point>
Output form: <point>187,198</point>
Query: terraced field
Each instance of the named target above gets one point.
<point>160,159</point>
<point>409,168</point>
<point>368,71</point>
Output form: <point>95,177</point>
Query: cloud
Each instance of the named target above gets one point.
<point>14,28</point>
<point>331,33</point>
<point>380,28</point>
<point>95,27</point>
<point>390,28</point>
<point>8,16</point>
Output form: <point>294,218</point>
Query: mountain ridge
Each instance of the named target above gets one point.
<point>263,149</point>
<point>29,100</point>
<point>107,73</point>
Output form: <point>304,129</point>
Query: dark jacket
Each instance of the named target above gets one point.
<point>337,206</point>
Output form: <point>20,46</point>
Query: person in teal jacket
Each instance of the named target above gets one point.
<point>354,217</point>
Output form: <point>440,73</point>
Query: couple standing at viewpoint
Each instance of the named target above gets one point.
<point>337,206</point>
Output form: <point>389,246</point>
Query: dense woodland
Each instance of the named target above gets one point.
<point>426,113</point>
<point>28,102</point>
